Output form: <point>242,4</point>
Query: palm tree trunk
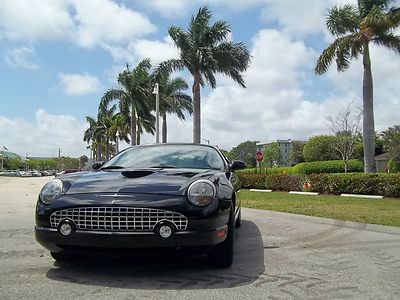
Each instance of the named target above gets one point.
<point>98,155</point>
<point>107,151</point>
<point>116,144</point>
<point>138,138</point>
<point>133,126</point>
<point>368,114</point>
<point>196,110</point>
<point>164,127</point>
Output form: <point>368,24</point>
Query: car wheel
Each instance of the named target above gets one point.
<point>62,257</point>
<point>238,222</point>
<point>221,256</point>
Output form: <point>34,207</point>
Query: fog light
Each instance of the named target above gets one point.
<point>165,231</point>
<point>66,227</point>
<point>221,233</point>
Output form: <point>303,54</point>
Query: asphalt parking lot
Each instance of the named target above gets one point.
<point>277,256</point>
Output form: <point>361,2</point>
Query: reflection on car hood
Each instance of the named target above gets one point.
<point>147,181</point>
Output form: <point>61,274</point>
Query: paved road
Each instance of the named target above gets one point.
<point>278,256</point>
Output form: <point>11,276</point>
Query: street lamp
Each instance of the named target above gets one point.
<point>156,92</point>
<point>117,141</point>
<point>208,141</point>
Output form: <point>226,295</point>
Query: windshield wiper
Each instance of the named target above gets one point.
<point>112,168</point>
<point>164,167</point>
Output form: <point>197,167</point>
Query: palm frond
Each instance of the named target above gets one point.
<point>376,21</point>
<point>390,41</point>
<point>109,96</point>
<point>217,33</point>
<point>342,20</point>
<point>365,6</point>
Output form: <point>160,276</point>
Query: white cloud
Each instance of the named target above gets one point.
<point>106,22</point>
<point>178,8</point>
<point>88,23</point>
<point>156,50</point>
<point>170,8</point>
<point>44,136</point>
<point>79,84</point>
<point>22,57</point>
<point>33,20</point>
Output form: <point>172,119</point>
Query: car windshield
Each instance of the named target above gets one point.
<point>168,156</point>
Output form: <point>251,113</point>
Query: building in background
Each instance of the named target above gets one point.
<point>285,150</point>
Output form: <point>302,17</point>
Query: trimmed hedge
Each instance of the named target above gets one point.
<point>371,184</point>
<point>384,184</point>
<point>284,182</point>
<point>283,170</point>
<point>252,181</point>
<point>329,166</point>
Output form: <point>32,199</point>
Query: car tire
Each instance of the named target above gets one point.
<point>62,257</point>
<point>221,256</point>
<point>238,222</point>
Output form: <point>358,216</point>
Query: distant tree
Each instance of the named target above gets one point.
<point>14,163</point>
<point>83,160</point>
<point>33,164</point>
<point>272,155</point>
<point>296,155</point>
<point>359,148</point>
<point>319,148</point>
<point>246,152</point>
<point>70,163</point>
<point>391,138</point>
<point>346,129</point>
<point>228,154</point>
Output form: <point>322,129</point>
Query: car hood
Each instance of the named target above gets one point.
<point>146,181</point>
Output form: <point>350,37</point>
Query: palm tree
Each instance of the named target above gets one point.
<point>119,129</point>
<point>95,134</point>
<point>173,101</point>
<point>132,94</point>
<point>145,122</point>
<point>355,28</point>
<point>204,51</point>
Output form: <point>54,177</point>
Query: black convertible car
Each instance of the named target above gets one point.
<point>159,197</point>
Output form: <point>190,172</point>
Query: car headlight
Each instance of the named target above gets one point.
<point>51,190</point>
<point>201,192</point>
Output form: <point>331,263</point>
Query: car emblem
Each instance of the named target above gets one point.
<point>115,197</point>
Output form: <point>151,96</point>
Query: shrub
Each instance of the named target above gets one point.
<point>282,170</point>
<point>329,166</point>
<point>284,182</point>
<point>372,184</point>
<point>252,181</point>
<point>351,183</point>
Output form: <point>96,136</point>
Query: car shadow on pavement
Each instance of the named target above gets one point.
<point>170,271</point>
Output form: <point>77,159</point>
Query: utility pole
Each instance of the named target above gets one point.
<point>2,158</point>
<point>59,159</point>
<point>157,93</point>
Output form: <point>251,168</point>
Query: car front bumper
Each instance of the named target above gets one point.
<point>97,241</point>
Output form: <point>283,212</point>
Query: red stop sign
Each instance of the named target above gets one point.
<point>259,156</point>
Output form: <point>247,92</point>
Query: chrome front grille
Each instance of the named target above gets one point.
<point>118,219</point>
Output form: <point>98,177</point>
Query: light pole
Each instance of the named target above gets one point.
<point>117,141</point>
<point>156,92</point>
<point>2,158</point>
<point>208,141</point>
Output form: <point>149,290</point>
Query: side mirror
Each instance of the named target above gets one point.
<point>97,165</point>
<point>237,165</point>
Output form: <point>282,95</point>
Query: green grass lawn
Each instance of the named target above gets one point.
<point>373,211</point>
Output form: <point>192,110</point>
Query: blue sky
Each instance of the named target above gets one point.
<point>58,57</point>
